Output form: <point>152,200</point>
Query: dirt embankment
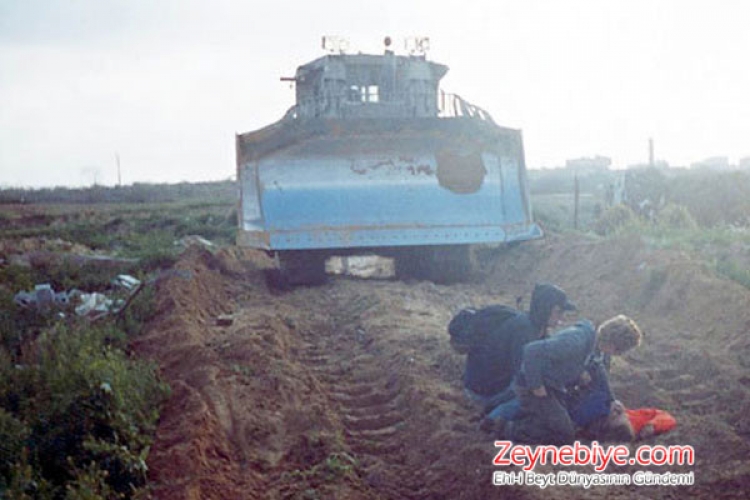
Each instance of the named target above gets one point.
<point>351,390</point>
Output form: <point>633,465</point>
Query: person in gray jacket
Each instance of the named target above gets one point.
<point>552,364</point>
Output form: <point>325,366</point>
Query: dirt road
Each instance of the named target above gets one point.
<point>350,390</point>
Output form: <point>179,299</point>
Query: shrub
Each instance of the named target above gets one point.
<point>613,219</point>
<point>675,216</point>
<point>714,198</point>
<point>734,272</point>
<point>16,278</point>
<point>78,399</point>
<point>89,483</point>
<point>140,310</point>
<point>13,435</point>
<point>26,483</point>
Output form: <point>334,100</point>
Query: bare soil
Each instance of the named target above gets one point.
<point>351,390</point>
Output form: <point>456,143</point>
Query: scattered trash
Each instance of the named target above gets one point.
<point>94,304</point>
<point>25,299</point>
<point>194,239</point>
<point>224,320</point>
<point>63,297</point>
<point>91,305</point>
<point>43,297</point>
<point>126,281</point>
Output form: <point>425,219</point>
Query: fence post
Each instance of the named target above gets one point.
<point>575,203</point>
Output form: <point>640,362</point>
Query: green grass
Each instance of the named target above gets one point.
<point>124,230</point>
<point>556,212</point>
<point>734,272</point>
<point>77,413</point>
<point>701,240</point>
<point>719,247</point>
<point>77,399</point>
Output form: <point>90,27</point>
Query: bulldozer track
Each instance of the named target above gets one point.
<point>372,403</point>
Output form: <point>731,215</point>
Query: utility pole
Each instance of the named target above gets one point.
<point>576,195</point>
<point>119,177</point>
<point>651,152</point>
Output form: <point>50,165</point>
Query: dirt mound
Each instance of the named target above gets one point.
<point>39,252</point>
<point>27,245</point>
<point>694,361</point>
<point>351,390</point>
<point>193,456</point>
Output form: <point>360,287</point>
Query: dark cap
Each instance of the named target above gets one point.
<point>552,295</point>
<point>544,297</point>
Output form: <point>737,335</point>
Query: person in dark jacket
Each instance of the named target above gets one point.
<point>493,339</point>
<point>552,365</point>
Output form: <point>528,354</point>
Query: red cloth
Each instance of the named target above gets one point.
<point>660,419</point>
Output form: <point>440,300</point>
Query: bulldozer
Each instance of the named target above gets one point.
<point>374,158</point>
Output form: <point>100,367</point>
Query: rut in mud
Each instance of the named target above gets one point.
<point>351,390</point>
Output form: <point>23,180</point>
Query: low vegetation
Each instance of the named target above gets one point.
<point>706,214</point>
<point>76,411</point>
<point>134,194</point>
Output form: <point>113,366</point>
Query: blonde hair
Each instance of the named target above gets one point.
<point>620,332</point>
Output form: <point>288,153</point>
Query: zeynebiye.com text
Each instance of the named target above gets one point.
<point>595,454</point>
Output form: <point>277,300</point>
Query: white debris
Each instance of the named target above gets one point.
<point>127,281</point>
<point>224,320</point>
<point>43,297</point>
<point>93,304</point>
<point>194,239</point>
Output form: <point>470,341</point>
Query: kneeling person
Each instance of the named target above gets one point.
<point>550,365</point>
<point>493,339</point>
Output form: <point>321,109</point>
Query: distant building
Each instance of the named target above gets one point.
<point>589,165</point>
<point>713,163</point>
<point>658,164</point>
<point>744,163</point>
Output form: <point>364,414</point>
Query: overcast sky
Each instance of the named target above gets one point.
<point>166,84</point>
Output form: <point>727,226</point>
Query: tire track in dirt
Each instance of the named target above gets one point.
<point>369,397</point>
<point>378,354</point>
